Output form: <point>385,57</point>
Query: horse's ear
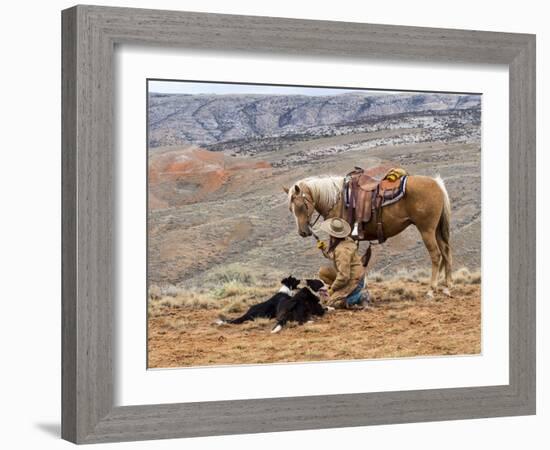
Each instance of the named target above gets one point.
<point>285,189</point>
<point>296,189</point>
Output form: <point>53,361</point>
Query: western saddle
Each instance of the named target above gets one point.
<point>366,193</point>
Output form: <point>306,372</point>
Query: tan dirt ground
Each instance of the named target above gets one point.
<point>401,323</point>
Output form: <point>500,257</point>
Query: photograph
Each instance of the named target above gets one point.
<point>291,224</point>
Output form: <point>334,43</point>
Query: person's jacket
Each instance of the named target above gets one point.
<point>348,267</point>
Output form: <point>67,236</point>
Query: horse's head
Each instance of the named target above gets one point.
<point>318,193</point>
<point>302,206</point>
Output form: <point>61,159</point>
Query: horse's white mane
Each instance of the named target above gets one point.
<point>325,190</point>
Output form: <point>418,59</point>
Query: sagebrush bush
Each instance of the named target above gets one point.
<point>183,299</point>
<point>402,292</point>
<point>375,276</point>
<point>230,289</point>
<point>154,292</point>
<point>475,277</point>
<point>231,273</point>
<point>464,276</point>
<point>170,291</point>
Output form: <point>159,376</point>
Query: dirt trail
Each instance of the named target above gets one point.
<point>401,323</point>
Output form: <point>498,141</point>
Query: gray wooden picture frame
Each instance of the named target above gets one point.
<point>90,34</point>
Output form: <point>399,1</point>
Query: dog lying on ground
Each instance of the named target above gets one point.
<point>267,309</point>
<point>302,306</point>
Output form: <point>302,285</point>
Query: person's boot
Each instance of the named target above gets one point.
<point>365,300</point>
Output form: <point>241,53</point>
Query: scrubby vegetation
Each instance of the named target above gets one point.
<point>230,290</point>
<point>464,276</point>
<point>233,289</point>
<point>402,322</point>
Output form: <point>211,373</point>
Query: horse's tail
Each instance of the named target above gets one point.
<point>443,231</point>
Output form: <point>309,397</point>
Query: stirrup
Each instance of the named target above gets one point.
<point>355,232</point>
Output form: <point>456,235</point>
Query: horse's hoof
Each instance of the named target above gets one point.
<point>447,292</point>
<point>430,295</point>
<point>277,329</point>
<point>330,309</point>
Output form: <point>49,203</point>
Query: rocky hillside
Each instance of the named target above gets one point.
<point>217,164</point>
<point>209,120</point>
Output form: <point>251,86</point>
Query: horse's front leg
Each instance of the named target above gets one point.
<point>435,255</point>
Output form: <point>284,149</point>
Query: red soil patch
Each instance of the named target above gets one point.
<point>189,175</point>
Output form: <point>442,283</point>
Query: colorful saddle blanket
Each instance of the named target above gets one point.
<point>366,193</point>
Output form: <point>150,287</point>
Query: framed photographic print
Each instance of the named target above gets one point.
<point>219,158</point>
<point>265,229</point>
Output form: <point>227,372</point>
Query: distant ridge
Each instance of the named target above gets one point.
<point>205,119</point>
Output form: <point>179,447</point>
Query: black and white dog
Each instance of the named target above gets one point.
<point>302,306</point>
<point>267,309</point>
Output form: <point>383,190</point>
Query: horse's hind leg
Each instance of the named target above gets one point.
<point>446,263</point>
<point>430,241</point>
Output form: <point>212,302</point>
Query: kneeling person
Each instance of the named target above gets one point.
<point>346,277</point>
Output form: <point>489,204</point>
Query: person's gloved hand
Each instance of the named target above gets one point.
<point>321,245</point>
<point>330,292</point>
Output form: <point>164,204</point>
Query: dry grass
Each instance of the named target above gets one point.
<point>227,297</point>
<point>231,273</point>
<point>402,322</point>
<point>422,276</point>
<point>465,276</point>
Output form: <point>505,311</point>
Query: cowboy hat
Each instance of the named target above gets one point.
<point>336,227</point>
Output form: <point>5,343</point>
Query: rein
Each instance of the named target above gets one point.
<point>315,221</point>
<point>309,224</point>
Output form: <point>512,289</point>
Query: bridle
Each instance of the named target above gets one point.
<point>308,203</point>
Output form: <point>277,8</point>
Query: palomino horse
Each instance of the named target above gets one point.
<point>425,205</point>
